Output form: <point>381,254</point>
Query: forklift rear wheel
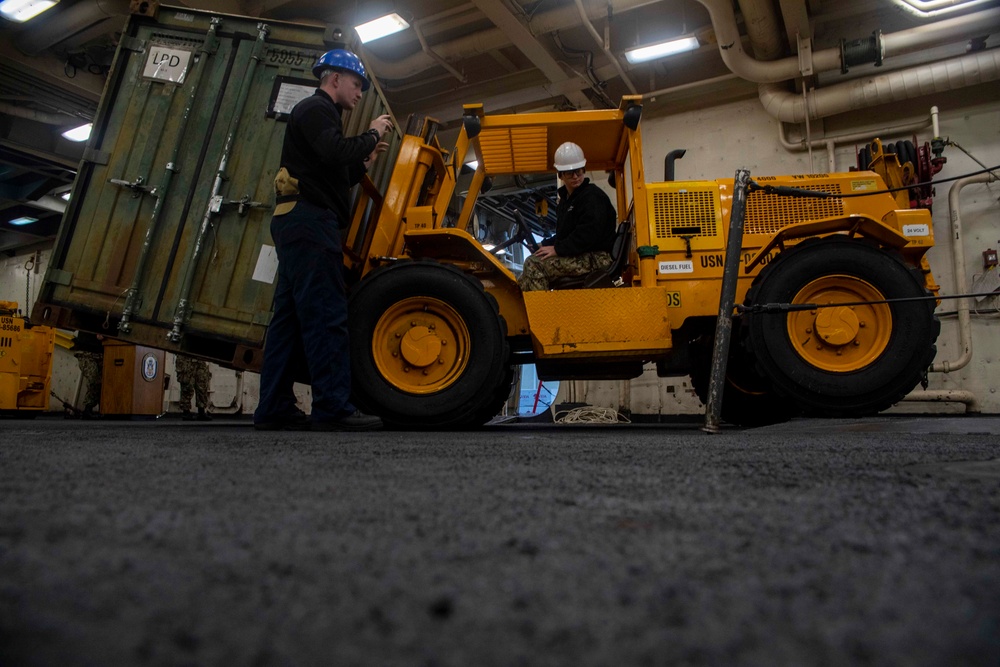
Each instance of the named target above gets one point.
<point>848,360</point>
<point>428,347</point>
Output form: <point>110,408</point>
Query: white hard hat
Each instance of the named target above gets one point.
<point>568,157</point>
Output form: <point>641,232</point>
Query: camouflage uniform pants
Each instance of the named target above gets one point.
<point>90,370</point>
<point>537,273</point>
<point>193,376</point>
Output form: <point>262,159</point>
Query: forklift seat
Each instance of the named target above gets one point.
<point>602,277</point>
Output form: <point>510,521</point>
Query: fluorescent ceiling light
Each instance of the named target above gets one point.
<point>661,50</point>
<point>381,27</point>
<point>81,133</point>
<point>931,8</point>
<point>472,164</point>
<point>22,10</point>
<point>23,220</point>
<point>66,195</point>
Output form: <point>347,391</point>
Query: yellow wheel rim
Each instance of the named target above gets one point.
<point>421,345</point>
<point>840,338</point>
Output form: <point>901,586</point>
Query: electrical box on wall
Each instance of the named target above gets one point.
<point>989,258</point>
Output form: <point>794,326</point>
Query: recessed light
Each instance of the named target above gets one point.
<point>380,27</point>
<point>22,10</point>
<point>81,133</point>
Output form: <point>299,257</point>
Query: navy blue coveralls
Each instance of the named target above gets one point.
<point>309,325</point>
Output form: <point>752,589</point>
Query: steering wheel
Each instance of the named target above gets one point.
<point>523,235</point>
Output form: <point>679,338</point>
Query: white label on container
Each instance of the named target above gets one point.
<point>267,265</point>
<point>916,230</point>
<point>181,16</point>
<point>676,267</point>
<point>290,94</point>
<point>166,64</point>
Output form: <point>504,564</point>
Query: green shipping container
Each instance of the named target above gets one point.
<point>166,239</point>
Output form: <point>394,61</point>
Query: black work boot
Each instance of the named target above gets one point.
<point>203,416</point>
<point>187,416</point>
<point>357,421</point>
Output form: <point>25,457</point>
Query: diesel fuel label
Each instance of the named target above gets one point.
<point>863,185</point>
<point>677,267</point>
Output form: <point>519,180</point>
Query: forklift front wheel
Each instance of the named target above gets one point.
<point>428,347</point>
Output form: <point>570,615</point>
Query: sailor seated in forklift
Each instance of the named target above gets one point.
<point>585,227</point>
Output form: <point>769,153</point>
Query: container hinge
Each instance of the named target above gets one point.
<point>58,276</point>
<point>132,43</point>
<point>217,202</point>
<point>138,186</point>
<point>96,156</point>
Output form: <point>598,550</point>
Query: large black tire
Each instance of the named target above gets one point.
<point>747,398</point>
<point>428,347</point>
<point>842,361</point>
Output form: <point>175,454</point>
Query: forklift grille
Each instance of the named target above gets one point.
<point>684,213</point>
<point>768,213</point>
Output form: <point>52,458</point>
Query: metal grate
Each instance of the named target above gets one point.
<point>768,213</point>
<point>687,213</point>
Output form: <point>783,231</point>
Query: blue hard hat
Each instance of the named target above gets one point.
<point>343,60</point>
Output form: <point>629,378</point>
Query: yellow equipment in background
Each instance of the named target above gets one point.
<point>25,362</point>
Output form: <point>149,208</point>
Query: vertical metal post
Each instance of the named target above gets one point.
<point>727,298</point>
<point>132,298</point>
<point>214,206</point>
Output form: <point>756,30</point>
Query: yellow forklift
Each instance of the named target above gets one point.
<point>835,290</point>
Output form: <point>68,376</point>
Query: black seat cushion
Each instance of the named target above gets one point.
<point>606,277</point>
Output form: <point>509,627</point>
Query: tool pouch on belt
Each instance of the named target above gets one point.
<point>286,191</point>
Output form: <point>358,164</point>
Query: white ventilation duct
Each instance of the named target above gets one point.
<point>906,41</point>
<point>870,91</point>
<point>940,77</point>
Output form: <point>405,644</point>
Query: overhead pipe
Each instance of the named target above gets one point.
<point>968,70</point>
<point>727,34</point>
<point>763,28</point>
<point>906,41</point>
<point>830,143</point>
<point>853,137</point>
<point>897,86</point>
